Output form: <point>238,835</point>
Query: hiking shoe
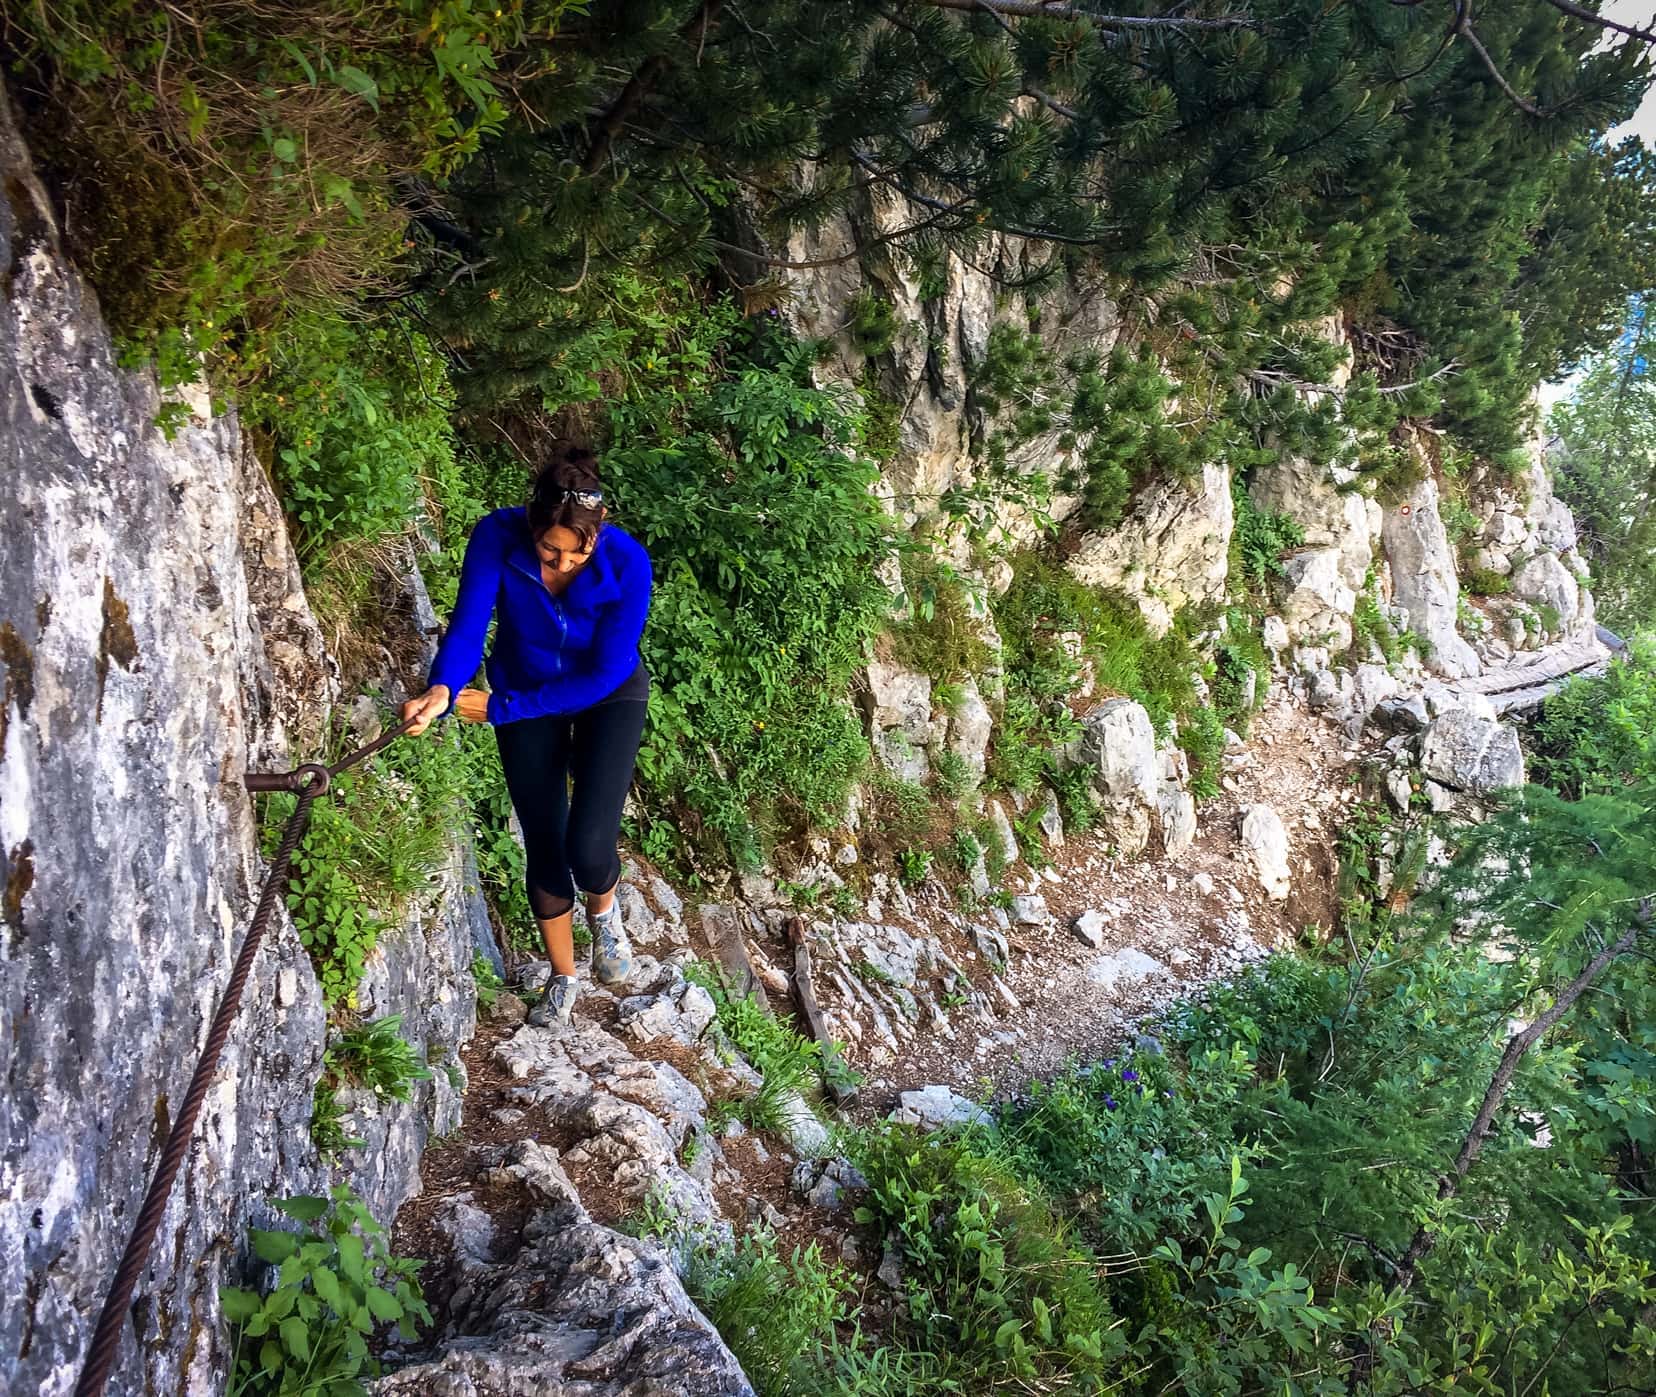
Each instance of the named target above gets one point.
<point>611,951</point>
<point>554,1010</point>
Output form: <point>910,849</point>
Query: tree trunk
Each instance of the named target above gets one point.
<point>1520,1044</point>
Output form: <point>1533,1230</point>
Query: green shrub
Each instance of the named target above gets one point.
<point>358,416</point>
<point>996,1293</point>
<point>1046,602</point>
<point>372,845</point>
<point>871,322</point>
<point>246,156</point>
<point>765,540</point>
<point>913,866</point>
<point>953,774</point>
<point>778,1313</point>
<point>376,1056</point>
<point>944,639</point>
<point>1242,670</point>
<point>1598,735</point>
<point>1482,582</point>
<point>337,1283</point>
<point>1202,740</point>
<point>1258,541</point>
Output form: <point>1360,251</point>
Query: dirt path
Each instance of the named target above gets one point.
<point>1197,919</point>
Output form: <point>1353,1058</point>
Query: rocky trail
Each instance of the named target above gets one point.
<point>623,1117</point>
<point>629,1119</point>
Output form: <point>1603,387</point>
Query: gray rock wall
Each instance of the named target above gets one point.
<point>154,642</point>
<point>130,848</point>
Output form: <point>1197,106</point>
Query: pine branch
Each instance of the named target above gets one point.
<point>639,87</point>
<point>1516,1048</point>
<point>1034,9</point>
<point>1647,36</point>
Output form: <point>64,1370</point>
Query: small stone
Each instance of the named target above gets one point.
<point>1089,929</point>
<point>1030,909</point>
<point>507,1009</point>
<point>890,1270</point>
<point>1203,883</point>
<point>934,1107</point>
<point>1266,843</point>
<point>846,855</point>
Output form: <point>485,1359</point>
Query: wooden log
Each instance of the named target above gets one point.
<point>838,1088</point>
<point>723,926</point>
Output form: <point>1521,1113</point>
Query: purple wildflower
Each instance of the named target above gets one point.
<point>1109,1103</point>
<point>1129,1075</point>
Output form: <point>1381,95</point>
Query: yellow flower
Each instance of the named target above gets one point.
<point>760,726</point>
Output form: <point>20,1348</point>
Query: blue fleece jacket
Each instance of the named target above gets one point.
<point>551,654</point>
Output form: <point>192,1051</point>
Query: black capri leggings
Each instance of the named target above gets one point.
<point>570,839</point>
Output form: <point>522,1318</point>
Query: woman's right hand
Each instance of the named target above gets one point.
<point>427,709</point>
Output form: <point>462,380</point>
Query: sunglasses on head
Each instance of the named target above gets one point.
<point>587,499</point>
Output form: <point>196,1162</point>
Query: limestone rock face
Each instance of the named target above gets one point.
<point>1118,744</point>
<point>155,644</point>
<point>1471,751</point>
<point>1318,602</point>
<point>1344,521</point>
<point>1544,581</point>
<point>128,845</point>
<point>898,708</point>
<point>1170,551</point>
<point>1424,581</point>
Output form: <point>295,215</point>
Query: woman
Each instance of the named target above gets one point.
<point>569,594</point>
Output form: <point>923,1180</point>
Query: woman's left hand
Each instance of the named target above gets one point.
<point>472,705</point>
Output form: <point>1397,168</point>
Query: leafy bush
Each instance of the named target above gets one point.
<point>248,154</point>
<point>1258,541</point>
<point>913,866</point>
<point>376,1056</point>
<point>871,322</point>
<point>778,1313</point>
<point>744,487</point>
<point>1598,735</point>
<point>1202,740</point>
<point>953,774</point>
<point>372,845</point>
<point>358,416</point>
<point>943,639</point>
<point>336,1283</point>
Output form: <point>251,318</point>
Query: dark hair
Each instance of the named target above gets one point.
<point>567,493</point>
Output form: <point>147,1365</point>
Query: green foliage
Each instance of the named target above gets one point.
<point>1597,736</point>
<point>378,1057</point>
<point>336,1283</point>
<point>1242,670</point>
<point>357,416</point>
<point>777,1312</point>
<point>743,486</point>
<point>487,979</point>
<point>248,155</point>
<point>791,1064</point>
<point>372,845</point>
<point>1605,469</point>
<point>871,322</point>
<point>913,866</point>
<point>1202,740</point>
<point>1045,604</point>
<point>944,638</point>
<point>953,774</point>
<point>1258,541</point>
